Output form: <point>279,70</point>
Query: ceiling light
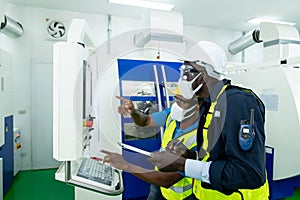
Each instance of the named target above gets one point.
<point>144,4</point>
<point>258,20</point>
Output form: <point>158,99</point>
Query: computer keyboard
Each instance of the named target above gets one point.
<point>96,171</point>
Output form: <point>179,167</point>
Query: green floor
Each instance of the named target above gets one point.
<point>296,195</point>
<point>41,185</point>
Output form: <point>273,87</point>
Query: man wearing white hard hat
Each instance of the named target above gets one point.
<point>180,122</point>
<point>230,137</point>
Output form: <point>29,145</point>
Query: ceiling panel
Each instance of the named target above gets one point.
<point>224,14</point>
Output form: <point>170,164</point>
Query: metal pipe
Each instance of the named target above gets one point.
<point>244,41</point>
<point>67,171</point>
<point>11,28</point>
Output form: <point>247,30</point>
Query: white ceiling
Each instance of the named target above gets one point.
<point>221,14</point>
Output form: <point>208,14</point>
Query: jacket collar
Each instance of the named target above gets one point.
<point>216,90</point>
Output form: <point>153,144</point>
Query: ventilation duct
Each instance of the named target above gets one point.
<point>11,28</point>
<point>141,39</point>
<point>244,41</point>
<point>160,26</point>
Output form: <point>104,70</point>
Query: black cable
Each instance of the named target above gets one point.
<point>241,194</point>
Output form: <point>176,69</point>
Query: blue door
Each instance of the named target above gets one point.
<point>147,84</point>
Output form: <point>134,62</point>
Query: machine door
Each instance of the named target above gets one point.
<point>7,153</point>
<point>148,85</point>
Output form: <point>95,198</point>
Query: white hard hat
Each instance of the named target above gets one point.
<point>210,56</point>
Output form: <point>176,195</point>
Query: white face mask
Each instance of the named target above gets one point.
<point>186,88</point>
<point>178,113</point>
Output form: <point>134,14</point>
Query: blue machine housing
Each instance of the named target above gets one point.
<point>279,188</point>
<point>7,153</point>
<point>142,70</point>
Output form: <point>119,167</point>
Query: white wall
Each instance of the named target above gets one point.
<point>32,46</point>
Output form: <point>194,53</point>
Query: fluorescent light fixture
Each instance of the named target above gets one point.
<point>258,20</point>
<point>144,4</point>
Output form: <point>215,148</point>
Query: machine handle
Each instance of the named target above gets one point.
<point>165,85</point>
<point>158,96</point>
<point>157,88</point>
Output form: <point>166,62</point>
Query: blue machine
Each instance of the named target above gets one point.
<point>146,83</point>
<point>279,188</point>
<point>7,153</point>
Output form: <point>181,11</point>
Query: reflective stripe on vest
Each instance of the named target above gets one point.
<point>209,117</point>
<point>182,188</point>
<point>261,193</point>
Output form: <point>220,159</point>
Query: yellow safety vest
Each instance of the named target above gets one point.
<point>261,193</point>
<point>184,187</point>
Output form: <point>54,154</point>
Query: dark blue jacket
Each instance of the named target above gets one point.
<point>233,168</point>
